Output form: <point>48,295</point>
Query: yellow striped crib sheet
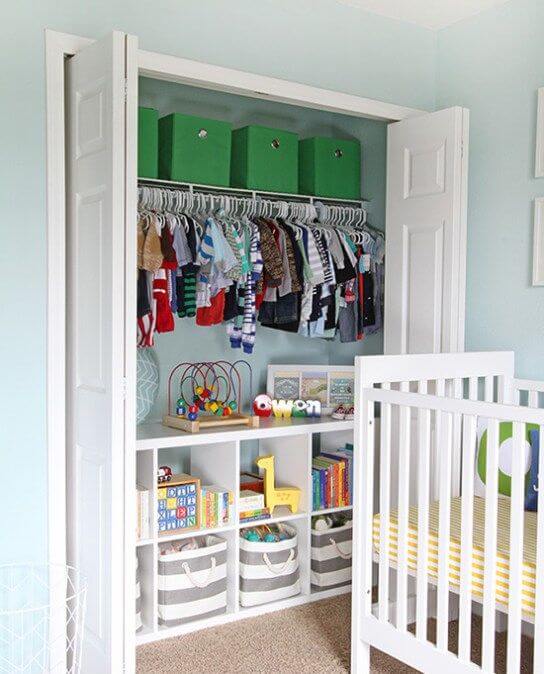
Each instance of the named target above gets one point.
<point>478,556</point>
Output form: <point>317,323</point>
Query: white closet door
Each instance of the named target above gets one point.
<point>96,212</point>
<point>426,233</point>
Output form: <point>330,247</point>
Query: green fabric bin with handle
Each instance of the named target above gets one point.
<point>265,159</point>
<point>194,150</point>
<point>329,167</point>
<point>148,143</point>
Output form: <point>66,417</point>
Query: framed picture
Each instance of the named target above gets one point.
<point>332,385</point>
<point>538,243</point>
<point>539,156</point>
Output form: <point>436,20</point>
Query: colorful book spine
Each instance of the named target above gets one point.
<point>255,515</point>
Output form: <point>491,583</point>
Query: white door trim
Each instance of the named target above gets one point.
<point>208,76</point>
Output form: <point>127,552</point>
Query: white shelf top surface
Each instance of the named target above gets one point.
<point>156,436</point>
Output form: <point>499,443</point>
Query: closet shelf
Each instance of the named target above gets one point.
<point>238,191</point>
<point>194,532</point>
<point>284,515</point>
<point>157,436</point>
<point>329,511</point>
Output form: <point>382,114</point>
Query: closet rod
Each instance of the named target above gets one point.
<point>280,196</point>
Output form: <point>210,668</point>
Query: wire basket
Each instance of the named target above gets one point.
<point>42,611</point>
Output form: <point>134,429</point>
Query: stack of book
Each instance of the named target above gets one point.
<point>251,506</point>
<point>332,478</point>
<point>217,505</point>
<point>142,510</point>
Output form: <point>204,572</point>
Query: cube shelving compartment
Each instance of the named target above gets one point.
<point>194,150</point>
<point>148,143</point>
<point>265,159</point>
<point>329,167</point>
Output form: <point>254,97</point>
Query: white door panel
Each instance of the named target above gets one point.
<point>425,233</point>
<point>96,314</point>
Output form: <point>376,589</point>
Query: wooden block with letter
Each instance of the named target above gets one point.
<point>179,509</point>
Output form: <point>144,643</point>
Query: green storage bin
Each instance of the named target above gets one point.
<point>329,167</point>
<point>148,143</point>
<point>265,159</point>
<point>194,150</point>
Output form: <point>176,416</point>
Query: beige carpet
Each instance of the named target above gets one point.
<point>310,638</point>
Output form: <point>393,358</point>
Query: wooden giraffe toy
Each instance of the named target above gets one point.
<point>275,496</point>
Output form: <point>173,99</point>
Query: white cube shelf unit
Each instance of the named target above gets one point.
<point>215,458</point>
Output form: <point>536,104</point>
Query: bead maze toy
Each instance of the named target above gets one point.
<point>276,496</point>
<point>209,395</point>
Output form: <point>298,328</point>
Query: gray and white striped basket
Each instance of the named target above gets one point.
<point>192,584</point>
<point>138,598</point>
<point>269,571</point>
<point>331,557</point>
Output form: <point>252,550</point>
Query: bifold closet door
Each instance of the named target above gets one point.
<point>426,233</point>
<point>96,179</point>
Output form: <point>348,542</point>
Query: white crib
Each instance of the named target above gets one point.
<point>425,546</point>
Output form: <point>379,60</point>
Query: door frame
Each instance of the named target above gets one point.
<point>58,47</point>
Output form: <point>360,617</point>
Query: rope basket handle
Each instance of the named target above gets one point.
<point>275,568</point>
<point>336,546</point>
<point>196,583</point>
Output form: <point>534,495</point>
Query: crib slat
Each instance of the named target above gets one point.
<point>490,545</point>
<point>533,398</point>
<point>435,465</point>
<point>424,449</point>
<point>516,547</point>
<point>444,530</point>
<point>385,500</point>
<point>473,388</point>
<point>457,453</point>
<point>489,388</point>
<point>403,493</point>
<point>538,655</point>
<point>467,527</point>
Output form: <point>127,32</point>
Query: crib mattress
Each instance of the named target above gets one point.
<point>503,553</point>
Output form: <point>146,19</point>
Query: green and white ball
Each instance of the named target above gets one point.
<point>505,455</point>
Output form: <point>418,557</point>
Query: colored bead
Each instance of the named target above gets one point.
<point>219,411</point>
<point>206,393</point>
<point>180,402</point>
<point>233,405</point>
<point>207,406</point>
<point>227,412</point>
<point>199,390</point>
<point>201,406</point>
<point>192,416</point>
<point>196,398</point>
<point>193,409</point>
<point>214,407</point>
<point>180,410</point>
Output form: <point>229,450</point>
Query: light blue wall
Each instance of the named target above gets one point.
<point>493,64</point>
<point>319,42</point>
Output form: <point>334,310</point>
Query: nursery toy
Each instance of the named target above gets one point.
<point>178,503</point>
<point>214,390</point>
<point>164,474</point>
<point>275,496</point>
<point>262,405</point>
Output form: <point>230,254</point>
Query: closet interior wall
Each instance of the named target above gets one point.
<point>190,342</point>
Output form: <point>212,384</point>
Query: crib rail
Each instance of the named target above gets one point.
<point>433,439</point>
